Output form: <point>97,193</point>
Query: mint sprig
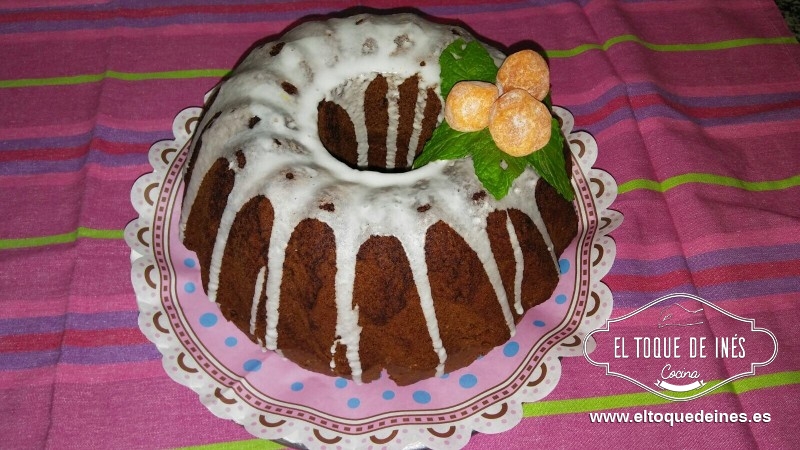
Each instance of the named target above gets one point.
<point>445,144</point>
<point>550,164</point>
<point>465,61</point>
<point>495,169</point>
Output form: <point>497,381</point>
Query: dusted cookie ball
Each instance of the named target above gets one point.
<point>519,124</point>
<point>527,70</point>
<point>468,103</point>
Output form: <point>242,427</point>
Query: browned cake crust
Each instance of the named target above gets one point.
<point>394,334</point>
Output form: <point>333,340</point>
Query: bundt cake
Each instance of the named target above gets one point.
<point>317,239</point>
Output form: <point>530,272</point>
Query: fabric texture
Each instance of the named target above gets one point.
<point>695,107</point>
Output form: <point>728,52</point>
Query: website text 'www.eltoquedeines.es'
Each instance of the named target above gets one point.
<point>672,418</point>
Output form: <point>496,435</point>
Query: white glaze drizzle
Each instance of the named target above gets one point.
<point>257,290</point>
<point>419,272</point>
<point>393,110</point>
<point>518,262</point>
<point>413,142</point>
<point>348,332</point>
<point>446,187</point>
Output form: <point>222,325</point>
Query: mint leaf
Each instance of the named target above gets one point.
<point>550,164</point>
<point>548,101</point>
<point>495,169</point>
<point>445,143</point>
<point>461,61</point>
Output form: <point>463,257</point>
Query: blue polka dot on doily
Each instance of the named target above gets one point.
<point>208,320</point>
<point>561,299</point>
<point>296,386</point>
<point>388,395</point>
<point>340,383</point>
<point>353,403</point>
<point>467,381</point>
<point>231,341</point>
<point>563,266</point>
<point>189,287</point>
<point>511,348</point>
<point>251,365</point>
<point>421,397</point>
<point>188,262</point>
<point>445,376</point>
<point>538,323</point>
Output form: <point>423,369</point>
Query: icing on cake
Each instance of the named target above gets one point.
<point>258,153</point>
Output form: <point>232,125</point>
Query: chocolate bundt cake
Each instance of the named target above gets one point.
<point>316,238</point>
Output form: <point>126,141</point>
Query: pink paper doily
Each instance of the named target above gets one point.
<point>274,399</point>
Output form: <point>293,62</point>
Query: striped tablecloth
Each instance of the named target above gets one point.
<point>695,107</point>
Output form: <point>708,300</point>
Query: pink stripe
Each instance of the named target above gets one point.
<point>20,4</point>
<point>698,220</point>
<point>112,119</point>
<point>42,342</point>
<point>89,172</point>
<point>670,24</point>
<point>705,243</point>
<point>675,159</point>
<point>87,268</point>
<point>56,306</point>
<point>230,40</point>
<point>84,374</point>
<point>680,6</point>
<point>41,376</point>
<point>779,131</point>
<point>153,109</point>
<point>694,112</point>
<point>59,205</point>
<point>627,133</point>
<point>183,54</point>
<point>705,278</point>
<point>563,26</point>
<point>744,307</point>
<point>564,431</point>
<point>586,93</point>
<point>62,153</point>
<point>626,62</point>
<point>84,414</point>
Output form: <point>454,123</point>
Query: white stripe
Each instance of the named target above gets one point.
<point>257,290</point>
<point>393,109</point>
<point>518,263</point>
<point>419,271</point>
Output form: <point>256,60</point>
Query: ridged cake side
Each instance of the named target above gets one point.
<point>351,272</point>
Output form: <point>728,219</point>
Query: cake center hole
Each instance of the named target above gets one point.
<point>378,122</point>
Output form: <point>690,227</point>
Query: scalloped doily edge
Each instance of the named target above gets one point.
<point>147,282</point>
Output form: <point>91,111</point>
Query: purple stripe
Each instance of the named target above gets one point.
<point>661,111</point>
<point>719,258</point>
<point>103,132</point>
<point>72,165</point>
<point>72,321</point>
<point>579,110</point>
<point>725,291</point>
<point>187,18</point>
<point>79,355</point>
<point>110,354</point>
<point>146,4</point>
<point>647,88</point>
